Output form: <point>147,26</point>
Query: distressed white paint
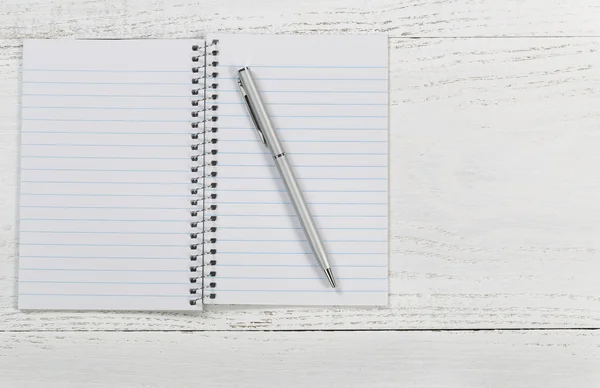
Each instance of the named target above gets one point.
<point>188,18</point>
<point>314,359</point>
<point>493,205</point>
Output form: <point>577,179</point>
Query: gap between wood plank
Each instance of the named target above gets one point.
<point>496,37</point>
<point>389,37</point>
<point>309,330</point>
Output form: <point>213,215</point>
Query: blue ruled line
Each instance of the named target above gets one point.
<point>312,116</point>
<point>104,95</point>
<point>237,91</point>
<point>105,270</point>
<point>191,97</point>
<point>186,296</point>
<point>289,203</point>
<point>110,70</point>
<point>108,145</point>
<point>301,265</point>
<point>298,228</point>
<point>187,233</point>
<point>108,195</point>
<point>99,220</point>
<point>305,191</point>
<point>187,133</point>
<point>107,83</point>
<point>187,220</point>
<point>293,215</point>
<point>110,183</point>
<point>310,91</point>
<point>188,283</point>
<point>220,65</point>
<point>292,278</point>
<point>299,240</point>
<point>308,153</point>
<point>186,170</point>
<point>102,170</point>
<point>191,108</point>
<point>310,103</point>
<point>102,157</point>
<point>308,79</point>
<point>186,258</point>
<point>187,121</point>
<point>308,66</point>
<point>231,253</point>
<point>107,120</point>
<point>191,196</point>
<point>111,133</point>
<point>187,183</point>
<point>102,245</point>
<point>300,253</point>
<point>106,295</point>
<point>217,91</point>
<point>334,291</point>
<point>191,207</point>
<point>187,145</point>
<point>190,83</point>
<point>306,129</point>
<point>93,282</point>
<point>110,207</point>
<point>304,141</point>
<point>302,178</point>
<point>86,232</point>
<point>302,165</point>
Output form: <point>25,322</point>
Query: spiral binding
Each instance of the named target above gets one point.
<point>204,159</point>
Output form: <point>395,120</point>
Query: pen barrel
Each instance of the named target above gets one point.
<point>260,117</point>
<point>304,215</point>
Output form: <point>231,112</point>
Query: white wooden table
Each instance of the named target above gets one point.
<point>495,209</point>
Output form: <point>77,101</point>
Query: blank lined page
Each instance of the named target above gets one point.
<point>328,99</point>
<point>105,175</point>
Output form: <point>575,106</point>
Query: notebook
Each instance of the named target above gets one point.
<point>144,185</point>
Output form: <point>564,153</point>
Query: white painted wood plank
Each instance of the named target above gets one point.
<point>311,359</point>
<point>188,18</point>
<point>493,196</point>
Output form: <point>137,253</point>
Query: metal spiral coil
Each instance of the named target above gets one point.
<point>203,179</point>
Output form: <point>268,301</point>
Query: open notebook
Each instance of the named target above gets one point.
<point>144,185</point>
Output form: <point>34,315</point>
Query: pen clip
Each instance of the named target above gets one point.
<point>252,115</point>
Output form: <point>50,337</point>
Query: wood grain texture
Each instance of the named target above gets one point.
<point>188,18</point>
<point>493,180</point>
<point>494,212</point>
<point>318,359</point>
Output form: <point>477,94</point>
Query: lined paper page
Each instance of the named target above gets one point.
<point>105,175</point>
<point>327,96</point>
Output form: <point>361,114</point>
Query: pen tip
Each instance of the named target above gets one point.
<point>330,277</point>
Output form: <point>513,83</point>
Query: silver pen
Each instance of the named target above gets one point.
<point>267,135</point>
